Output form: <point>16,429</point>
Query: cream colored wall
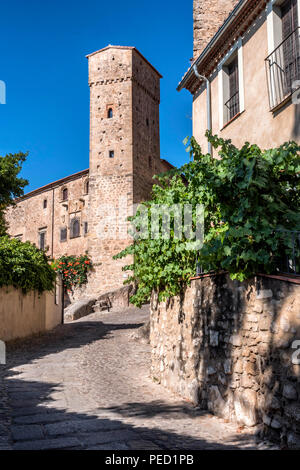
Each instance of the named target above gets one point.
<point>24,315</point>
<point>53,307</point>
<point>256,124</point>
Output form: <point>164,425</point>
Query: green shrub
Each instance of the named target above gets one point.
<point>24,266</point>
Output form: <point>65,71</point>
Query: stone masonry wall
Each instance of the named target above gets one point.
<point>29,217</point>
<point>120,78</point>
<point>209,15</point>
<point>227,346</point>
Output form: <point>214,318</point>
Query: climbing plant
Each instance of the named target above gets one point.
<point>250,195</point>
<point>74,270</point>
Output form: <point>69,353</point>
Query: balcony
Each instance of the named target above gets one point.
<point>232,107</point>
<point>283,70</point>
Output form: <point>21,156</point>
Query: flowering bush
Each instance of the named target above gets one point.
<point>73,270</point>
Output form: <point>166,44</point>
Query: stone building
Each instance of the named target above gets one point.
<point>252,63</point>
<point>88,211</point>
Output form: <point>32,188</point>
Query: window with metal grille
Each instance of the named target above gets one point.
<point>63,234</point>
<point>290,48</point>
<point>75,228</point>
<point>283,64</point>
<point>232,106</point>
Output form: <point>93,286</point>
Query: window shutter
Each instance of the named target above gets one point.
<point>291,59</point>
<point>289,17</point>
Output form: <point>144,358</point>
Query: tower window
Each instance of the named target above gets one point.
<point>86,187</point>
<point>147,122</point>
<point>110,113</point>
<point>111,154</point>
<point>63,234</point>
<point>45,204</point>
<point>65,194</point>
<point>86,228</point>
<point>75,228</point>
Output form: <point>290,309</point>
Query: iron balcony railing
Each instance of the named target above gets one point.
<point>283,69</point>
<point>232,106</point>
<point>290,264</point>
<point>284,263</point>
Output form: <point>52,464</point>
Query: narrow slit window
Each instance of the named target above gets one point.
<point>110,113</point>
<point>111,154</point>
<point>42,240</point>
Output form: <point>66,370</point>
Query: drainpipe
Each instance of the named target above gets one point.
<point>208,103</point>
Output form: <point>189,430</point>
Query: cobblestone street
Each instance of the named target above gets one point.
<point>86,385</point>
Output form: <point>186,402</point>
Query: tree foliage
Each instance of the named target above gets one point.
<point>11,185</point>
<point>250,197</point>
<point>24,266</point>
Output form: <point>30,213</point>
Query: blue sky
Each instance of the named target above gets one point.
<point>42,51</point>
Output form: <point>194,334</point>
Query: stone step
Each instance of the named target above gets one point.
<point>102,305</point>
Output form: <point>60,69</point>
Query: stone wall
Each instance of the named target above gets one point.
<point>120,79</point>
<point>227,346</point>
<point>29,217</point>
<point>24,315</point>
<point>209,15</point>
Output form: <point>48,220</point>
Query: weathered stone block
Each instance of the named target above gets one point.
<point>214,338</point>
<point>264,294</point>
<point>236,340</point>
<point>245,407</point>
<point>227,366</point>
<point>290,392</point>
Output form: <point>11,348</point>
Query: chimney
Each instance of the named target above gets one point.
<point>209,15</point>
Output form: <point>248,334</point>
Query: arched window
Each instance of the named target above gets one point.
<point>110,113</point>
<point>75,228</point>
<point>65,194</point>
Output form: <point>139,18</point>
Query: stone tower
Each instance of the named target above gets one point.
<point>209,15</point>
<point>124,153</point>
